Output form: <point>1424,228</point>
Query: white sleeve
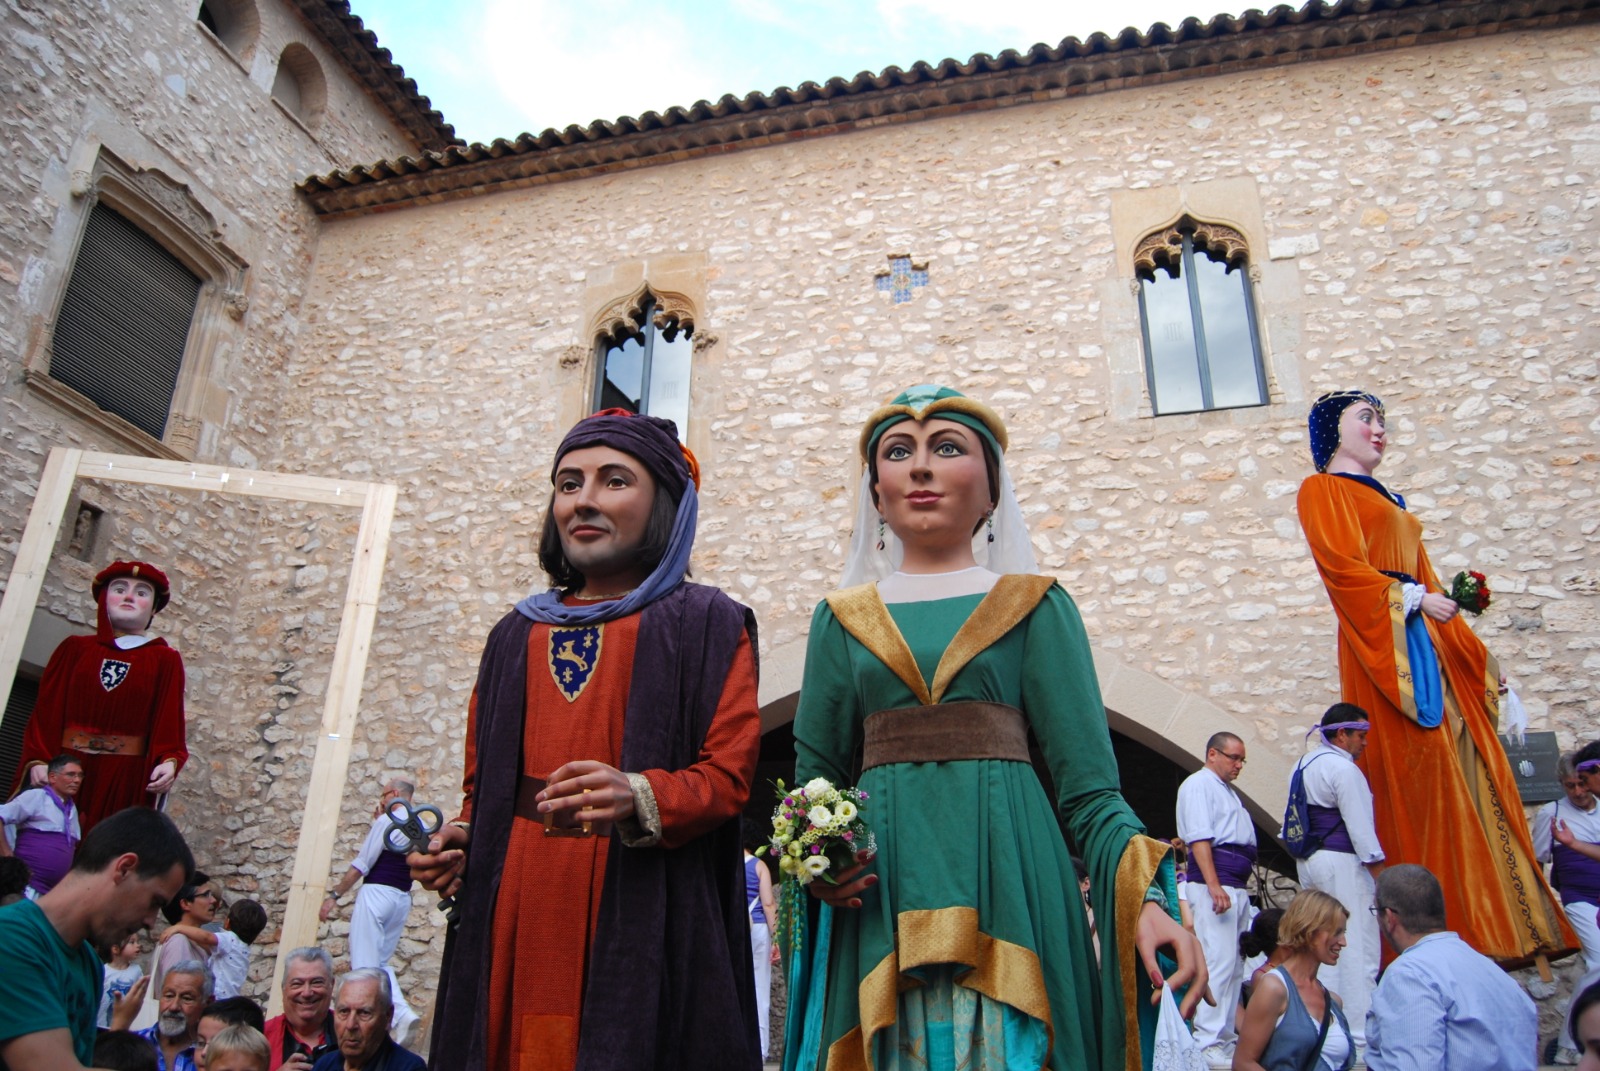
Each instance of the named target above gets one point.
<point>367,857</point>
<point>1353,797</point>
<point>1541,831</point>
<point>1195,820</point>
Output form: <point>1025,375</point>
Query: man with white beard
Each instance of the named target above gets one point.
<point>185,991</point>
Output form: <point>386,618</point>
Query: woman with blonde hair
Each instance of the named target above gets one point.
<point>1293,1023</point>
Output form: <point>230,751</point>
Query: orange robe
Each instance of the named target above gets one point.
<point>549,896</point>
<point>1442,797</point>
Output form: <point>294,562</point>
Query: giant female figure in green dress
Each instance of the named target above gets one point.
<point>963,943</point>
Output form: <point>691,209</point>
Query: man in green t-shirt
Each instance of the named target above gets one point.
<point>127,868</point>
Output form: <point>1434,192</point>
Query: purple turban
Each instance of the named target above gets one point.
<point>653,440</point>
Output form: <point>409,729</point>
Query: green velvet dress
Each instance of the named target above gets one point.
<point>973,950</point>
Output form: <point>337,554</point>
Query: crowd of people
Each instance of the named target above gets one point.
<point>607,913</point>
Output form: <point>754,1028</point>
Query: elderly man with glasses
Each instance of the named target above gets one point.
<point>1222,849</point>
<point>362,1005</point>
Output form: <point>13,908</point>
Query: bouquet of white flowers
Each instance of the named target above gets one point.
<point>817,830</point>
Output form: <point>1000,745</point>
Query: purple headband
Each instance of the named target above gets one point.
<point>1332,728</point>
<point>652,440</point>
<point>1590,764</point>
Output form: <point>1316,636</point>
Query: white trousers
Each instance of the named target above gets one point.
<point>376,923</point>
<point>1219,941</point>
<point>1587,927</point>
<point>761,948</point>
<point>1341,876</point>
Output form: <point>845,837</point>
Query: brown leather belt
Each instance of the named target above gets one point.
<point>527,806</point>
<point>945,732</point>
<point>92,743</point>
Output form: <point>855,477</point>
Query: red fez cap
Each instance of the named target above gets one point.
<point>139,571</point>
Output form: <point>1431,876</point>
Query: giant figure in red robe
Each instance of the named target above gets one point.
<point>113,700</point>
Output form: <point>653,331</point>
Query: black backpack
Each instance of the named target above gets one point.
<point>1297,836</point>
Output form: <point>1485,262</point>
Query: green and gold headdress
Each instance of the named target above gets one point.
<point>928,401</point>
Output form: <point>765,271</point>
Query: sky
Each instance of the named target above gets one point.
<point>499,68</point>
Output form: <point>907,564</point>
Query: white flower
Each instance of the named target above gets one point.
<point>819,817</point>
<point>817,787</point>
<point>845,812</point>
<point>815,865</point>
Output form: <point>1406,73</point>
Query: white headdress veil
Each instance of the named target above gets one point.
<point>1011,550</point>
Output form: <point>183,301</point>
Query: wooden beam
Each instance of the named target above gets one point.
<point>218,479</point>
<point>32,560</point>
<point>313,855</point>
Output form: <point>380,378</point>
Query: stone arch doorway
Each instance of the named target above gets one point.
<point>1158,732</point>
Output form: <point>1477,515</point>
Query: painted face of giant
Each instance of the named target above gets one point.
<point>933,483</point>
<point>1362,439</point>
<point>130,604</point>
<point>602,503</point>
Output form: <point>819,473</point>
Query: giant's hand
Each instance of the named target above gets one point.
<point>162,778</point>
<point>439,868</point>
<point>587,791</point>
<point>1157,930</point>
<point>1439,607</point>
<point>848,884</point>
<point>38,776</point>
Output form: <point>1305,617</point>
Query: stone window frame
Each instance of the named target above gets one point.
<point>1274,292</point>
<point>1222,244</point>
<point>238,27</point>
<point>304,70</point>
<point>167,211</point>
<point>624,318</point>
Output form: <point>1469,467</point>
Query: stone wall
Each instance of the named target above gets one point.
<point>1427,223</point>
<point>258,590</point>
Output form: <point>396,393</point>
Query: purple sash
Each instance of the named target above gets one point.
<point>1233,863</point>
<point>48,855</point>
<point>1328,830</point>
<point>390,870</point>
<point>1575,875</point>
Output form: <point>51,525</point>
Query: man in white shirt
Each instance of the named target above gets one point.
<point>383,902</point>
<point>42,827</point>
<point>1222,849</point>
<point>1441,1006</point>
<point>1561,830</point>
<point>1347,855</point>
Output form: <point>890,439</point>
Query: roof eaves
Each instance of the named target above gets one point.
<point>1223,44</point>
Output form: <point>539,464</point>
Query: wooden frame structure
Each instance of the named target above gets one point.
<point>314,853</point>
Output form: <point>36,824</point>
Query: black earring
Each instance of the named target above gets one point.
<point>880,533</point>
<point>990,516</point>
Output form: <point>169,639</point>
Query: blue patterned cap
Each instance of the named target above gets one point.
<point>1324,422</point>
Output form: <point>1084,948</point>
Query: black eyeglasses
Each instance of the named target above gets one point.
<point>1232,758</point>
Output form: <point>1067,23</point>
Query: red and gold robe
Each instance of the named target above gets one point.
<point>96,697</point>
<point>550,890</point>
<point>1444,797</point>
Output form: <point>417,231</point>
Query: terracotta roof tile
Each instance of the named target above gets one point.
<point>1193,48</point>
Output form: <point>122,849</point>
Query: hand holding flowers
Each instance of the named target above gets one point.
<point>818,832</point>
<point>1470,590</point>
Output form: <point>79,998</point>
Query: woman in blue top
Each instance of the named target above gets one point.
<point>1293,1023</point>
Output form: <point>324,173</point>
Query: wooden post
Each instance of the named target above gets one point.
<point>314,854</point>
<point>320,819</point>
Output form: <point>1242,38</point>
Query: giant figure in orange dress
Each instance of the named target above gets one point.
<point>1443,792</point>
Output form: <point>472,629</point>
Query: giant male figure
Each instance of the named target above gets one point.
<point>611,742</point>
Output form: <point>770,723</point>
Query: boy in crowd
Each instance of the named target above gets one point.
<point>227,951</point>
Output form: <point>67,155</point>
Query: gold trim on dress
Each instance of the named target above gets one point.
<point>1402,651</point>
<point>1013,597</point>
<point>862,613</point>
<point>1141,859</point>
<point>998,969</point>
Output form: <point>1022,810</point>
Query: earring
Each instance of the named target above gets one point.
<point>990,521</point>
<point>880,533</point>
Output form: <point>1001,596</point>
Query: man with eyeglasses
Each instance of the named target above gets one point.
<point>196,906</point>
<point>362,1005</point>
<point>1222,849</point>
<point>1345,856</point>
<point>1441,1005</point>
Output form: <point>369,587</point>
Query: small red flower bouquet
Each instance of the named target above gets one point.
<point>1470,590</point>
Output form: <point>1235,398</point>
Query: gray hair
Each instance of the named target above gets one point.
<point>191,967</point>
<point>369,974</point>
<point>311,954</point>
<point>1567,765</point>
<point>406,788</point>
<point>1414,894</point>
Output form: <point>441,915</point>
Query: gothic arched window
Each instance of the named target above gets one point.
<point>645,364</point>
<point>1202,349</point>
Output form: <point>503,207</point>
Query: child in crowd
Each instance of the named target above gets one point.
<point>123,1050</point>
<point>1258,941</point>
<point>238,1048</point>
<point>122,973</point>
<point>227,951</point>
<point>14,878</point>
<point>221,1014</point>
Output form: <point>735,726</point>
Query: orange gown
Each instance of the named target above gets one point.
<point>549,898</point>
<point>1442,797</point>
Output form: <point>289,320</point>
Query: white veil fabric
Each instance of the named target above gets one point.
<point>1011,551</point>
